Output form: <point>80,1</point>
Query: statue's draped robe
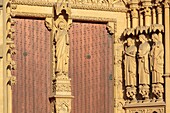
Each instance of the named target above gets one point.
<point>62,50</point>
<point>130,66</point>
<point>143,63</point>
<point>157,62</point>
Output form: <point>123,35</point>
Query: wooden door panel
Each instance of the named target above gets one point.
<point>91,68</point>
<point>31,93</point>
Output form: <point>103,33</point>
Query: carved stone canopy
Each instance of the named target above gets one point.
<point>142,29</point>
<point>156,27</point>
<point>129,31</point>
<point>59,7</point>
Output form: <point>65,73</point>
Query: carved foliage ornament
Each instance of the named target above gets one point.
<point>10,49</point>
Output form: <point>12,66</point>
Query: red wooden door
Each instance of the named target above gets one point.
<point>91,68</point>
<point>31,93</point>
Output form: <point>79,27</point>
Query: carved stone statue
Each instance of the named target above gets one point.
<point>143,60</point>
<point>62,45</point>
<point>130,63</point>
<point>157,60</point>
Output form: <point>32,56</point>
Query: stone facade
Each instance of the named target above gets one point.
<point>139,33</point>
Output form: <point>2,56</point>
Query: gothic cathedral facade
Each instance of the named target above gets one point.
<point>84,56</point>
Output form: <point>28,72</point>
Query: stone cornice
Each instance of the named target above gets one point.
<point>45,4</point>
<point>25,14</point>
<point>73,6</point>
<point>98,7</point>
<point>98,19</point>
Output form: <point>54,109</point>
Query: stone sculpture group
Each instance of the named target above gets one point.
<point>145,63</point>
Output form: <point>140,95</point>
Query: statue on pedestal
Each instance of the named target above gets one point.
<point>130,63</point>
<point>62,45</point>
<point>143,60</point>
<point>157,60</point>
<point>130,69</point>
<point>143,67</point>
<point>157,66</point>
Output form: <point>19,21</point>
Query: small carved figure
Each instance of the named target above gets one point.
<point>62,46</point>
<point>130,63</point>
<point>157,59</point>
<point>143,60</point>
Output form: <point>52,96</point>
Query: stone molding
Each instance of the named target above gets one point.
<point>44,4</point>
<point>34,15</point>
<point>95,7</point>
<point>73,6</point>
<point>93,19</point>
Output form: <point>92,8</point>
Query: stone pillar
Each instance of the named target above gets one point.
<point>147,16</point>
<point>134,14</point>
<point>159,13</point>
<point>167,57</point>
<point>141,17</point>
<point>117,76</point>
<point>147,11</point>
<point>128,19</point>
<point>153,16</point>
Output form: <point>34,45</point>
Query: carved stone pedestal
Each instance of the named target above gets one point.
<point>131,94</point>
<point>157,90</point>
<point>144,91</point>
<point>61,98</point>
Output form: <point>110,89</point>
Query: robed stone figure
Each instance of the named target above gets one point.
<point>143,60</point>
<point>62,46</point>
<point>157,59</point>
<point>130,63</point>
